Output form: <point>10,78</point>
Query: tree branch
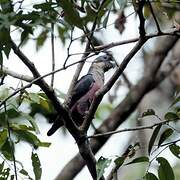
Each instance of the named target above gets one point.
<point>110,83</point>
<point>118,116</point>
<point>6,71</point>
<point>129,129</point>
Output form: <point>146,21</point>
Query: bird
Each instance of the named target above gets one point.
<point>85,90</point>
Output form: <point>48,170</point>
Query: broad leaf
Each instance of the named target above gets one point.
<point>168,132</point>
<point>36,166</point>
<point>7,150</point>
<point>119,161</point>
<point>71,15</point>
<point>3,137</point>
<point>153,138</point>
<point>150,176</point>
<point>101,165</point>
<point>171,116</point>
<point>165,171</point>
<point>175,149</point>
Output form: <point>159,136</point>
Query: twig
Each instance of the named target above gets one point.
<point>68,48</point>
<point>155,19</point>
<point>129,84</point>
<point>52,53</point>
<point>128,129</point>
<point>169,143</point>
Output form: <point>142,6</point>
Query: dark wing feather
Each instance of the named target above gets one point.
<point>81,88</point>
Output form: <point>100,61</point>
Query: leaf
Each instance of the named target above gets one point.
<point>71,15</point>
<point>31,138</point>
<point>168,132</point>
<point>119,161</point>
<point>25,173</point>
<point>8,150</point>
<point>5,174</point>
<point>32,122</point>
<point>175,149</point>
<point>101,165</point>
<point>1,167</point>
<point>149,112</point>
<point>34,97</point>
<point>171,116</point>
<point>106,19</point>
<point>36,166</point>
<point>3,137</point>
<point>150,176</point>
<point>165,171</point>
<point>139,160</point>
<point>175,101</point>
<point>153,138</point>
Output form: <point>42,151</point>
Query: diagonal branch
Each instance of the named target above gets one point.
<point>120,113</point>
<point>110,83</point>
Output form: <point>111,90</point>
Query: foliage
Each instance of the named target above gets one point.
<point>164,170</point>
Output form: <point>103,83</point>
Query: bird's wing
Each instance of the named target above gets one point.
<point>81,88</point>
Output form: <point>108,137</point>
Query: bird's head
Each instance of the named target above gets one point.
<point>104,62</point>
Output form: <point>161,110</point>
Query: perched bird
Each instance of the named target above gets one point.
<point>85,90</point>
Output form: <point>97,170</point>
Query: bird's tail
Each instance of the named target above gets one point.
<point>56,125</point>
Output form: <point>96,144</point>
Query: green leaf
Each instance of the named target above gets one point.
<point>71,15</point>
<point>25,173</point>
<point>5,174</point>
<point>153,138</point>
<point>175,149</point>
<point>150,176</point>
<point>176,101</point>
<point>171,116</point>
<point>3,137</point>
<point>30,138</point>
<point>32,122</point>
<point>101,165</point>
<point>119,161</point>
<point>1,167</point>
<point>7,150</point>
<point>34,97</point>
<point>36,166</point>
<point>149,112</point>
<point>139,160</point>
<point>165,171</point>
<point>168,132</point>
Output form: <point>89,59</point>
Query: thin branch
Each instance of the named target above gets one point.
<point>68,48</point>
<point>52,53</point>
<point>6,71</point>
<point>155,19</point>
<point>129,84</point>
<point>129,129</point>
<point>169,143</point>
